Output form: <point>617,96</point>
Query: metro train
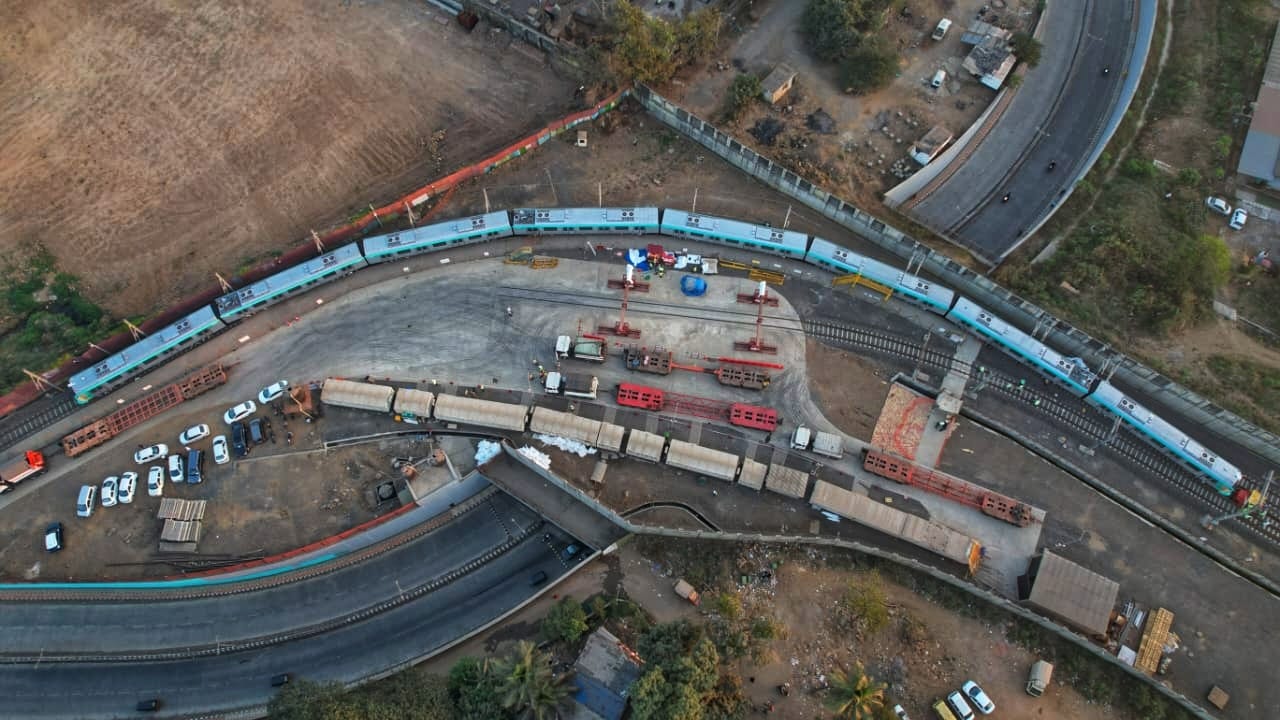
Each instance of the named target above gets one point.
<point>1069,372</point>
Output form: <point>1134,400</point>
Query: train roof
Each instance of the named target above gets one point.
<point>572,216</point>
<point>1071,368</point>
<point>465,227</point>
<point>148,347</point>
<point>288,279</point>
<point>733,230</point>
<point>845,260</point>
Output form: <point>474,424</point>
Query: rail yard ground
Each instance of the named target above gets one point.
<point>205,137</point>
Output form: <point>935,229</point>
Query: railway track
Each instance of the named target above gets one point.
<point>1078,416</point>
<point>34,418</point>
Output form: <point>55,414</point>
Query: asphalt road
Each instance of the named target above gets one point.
<point>34,628</point>
<point>1056,116</point>
<point>242,679</point>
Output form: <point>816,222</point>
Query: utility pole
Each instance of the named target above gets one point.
<point>315,237</point>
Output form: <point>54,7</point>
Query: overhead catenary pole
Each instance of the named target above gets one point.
<point>315,237</point>
<point>694,209</point>
<point>134,330</point>
<point>375,214</point>
<point>222,283</point>
<point>409,209</point>
<point>786,221</point>
<point>486,198</point>
<point>39,381</point>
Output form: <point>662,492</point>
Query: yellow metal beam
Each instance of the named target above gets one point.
<point>859,279</point>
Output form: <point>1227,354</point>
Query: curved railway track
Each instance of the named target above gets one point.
<point>1077,415</point>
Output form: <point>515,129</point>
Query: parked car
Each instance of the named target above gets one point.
<point>84,503</point>
<point>220,454</point>
<point>958,704</point>
<point>570,552</point>
<point>281,679</point>
<point>978,697</point>
<point>155,481</point>
<point>128,484</point>
<point>240,412</point>
<point>1218,205</point>
<point>193,433</point>
<point>273,391</point>
<point>175,468</point>
<point>900,713</point>
<point>53,537</point>
<point>109,487</point>
<point>237,439</point>
<point>257,433</point>
<point>1238,219</point>
<point>150,452</point>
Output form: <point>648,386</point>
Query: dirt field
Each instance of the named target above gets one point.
<point>277,499</point>
<point>202,136</point>
<point>854,157</point>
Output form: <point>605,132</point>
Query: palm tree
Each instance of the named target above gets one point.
<point>854,695</point>
<point>528,687</point>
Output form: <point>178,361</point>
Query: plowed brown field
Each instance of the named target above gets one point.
<point>149,144</point>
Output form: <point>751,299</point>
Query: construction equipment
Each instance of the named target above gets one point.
<point>754,272</point>
<point>524,255</point>
<point>760,298</point>
<point>29,465</point>
<point>627,284</point>
<point>1247,502</point>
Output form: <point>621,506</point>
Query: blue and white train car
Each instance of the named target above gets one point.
<point>1070,371</point>
<point>786,243</point>
<point>429,238</point>
<point>151,350</point>
<point>828,255</point>
<point>1157,430</point>
<point>286,283</point>
<point>583,221</point>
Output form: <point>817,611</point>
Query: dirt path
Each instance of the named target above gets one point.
<point>193,139</point>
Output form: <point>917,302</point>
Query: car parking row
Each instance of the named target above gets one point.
<point>186,467</point>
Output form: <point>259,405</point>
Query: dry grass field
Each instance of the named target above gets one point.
<point>150,144</point>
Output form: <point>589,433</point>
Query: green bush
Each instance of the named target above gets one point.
<point>1027,48</point>
<point>742,91</point>
<point>869,67</point>
<point>566,621</point>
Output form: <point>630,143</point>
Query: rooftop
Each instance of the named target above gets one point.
<point>606,669</point>
<point>1080,597</point>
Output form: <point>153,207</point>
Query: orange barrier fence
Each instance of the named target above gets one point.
<point>27,392</point>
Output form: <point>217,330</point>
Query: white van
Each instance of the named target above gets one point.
<point>938,78</point>
<point>941,31</point>
<point>85,503</point>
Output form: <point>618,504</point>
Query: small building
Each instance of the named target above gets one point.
<point>778,83</point>
<point>931,145</point>
<point>990,60</point>
<point>1260,158</point>
<point>1068,592</point>
<point>605,671</point>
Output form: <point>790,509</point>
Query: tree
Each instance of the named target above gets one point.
<point>475,690</point>
<point>830,27</point>
<point>529,689</point>
<point>650,50</point>
<point>682,680</point>
<point>864,601</point>
<point>1027,48</point>
<point>854,695</point>
<point>306,700</point>
<point>744,89</point>
<point>869,67</point>
<point>566,621</point>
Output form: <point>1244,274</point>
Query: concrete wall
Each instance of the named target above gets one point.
<point>1018,312</point>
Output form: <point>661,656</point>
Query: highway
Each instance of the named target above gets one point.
<point>237,680</point>
<point>1056,116</point>
<point>39,628</point>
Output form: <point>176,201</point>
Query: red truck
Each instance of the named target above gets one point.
<point>13,472</point>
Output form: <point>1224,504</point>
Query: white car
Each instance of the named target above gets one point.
<point>1217,205</point>
<point>193,433</point>
<point>128,484</point>
<point>239,412</point>
<point>220,454</point>
<point>1238,219</point>
<point>155,481</point>
<point>176,469</point>
<point>273,391</point>
<point>978,698</point>
<point>900,713</point>
<point>150,452</point>
<point>109,491</point>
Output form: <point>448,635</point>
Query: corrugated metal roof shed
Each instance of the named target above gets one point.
<point>929,535</point>
<point>180,531</point>
<point>610,437</point>
<point>179,509</point>
<point>1078,596</point>
<point>361,396</point>
<point>565,425</point>
<point>486,413</point>
<point>645,445</point>
<point>787,481</point>
<point>752,474</point>
<point>414,402</point>
<point>706,461</point>
<point>605,671</point>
